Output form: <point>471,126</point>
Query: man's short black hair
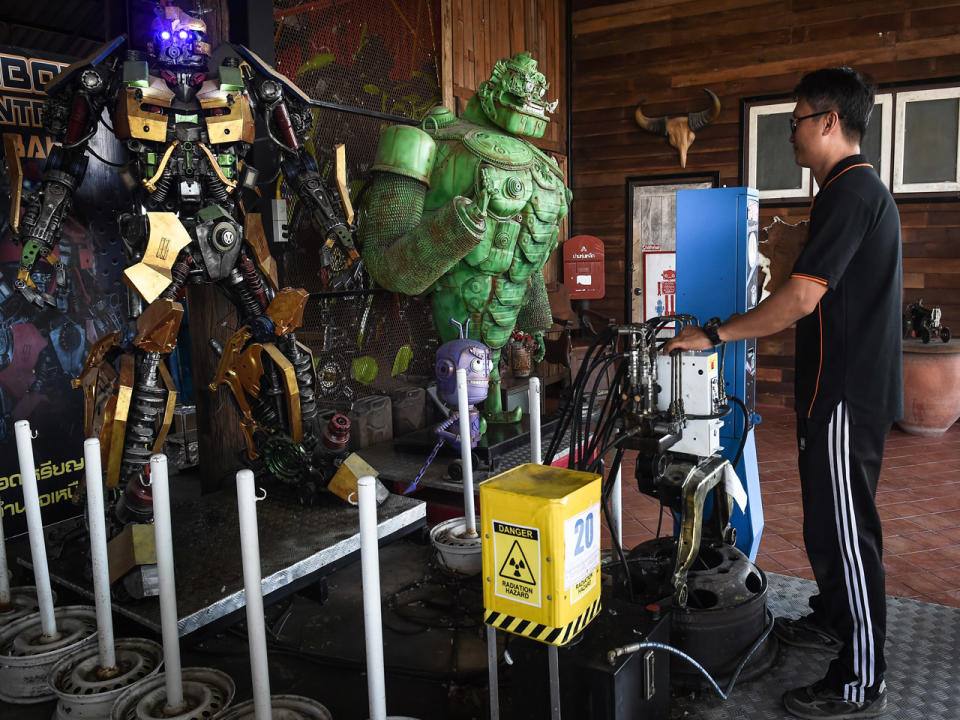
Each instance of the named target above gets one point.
<point>842,89</point>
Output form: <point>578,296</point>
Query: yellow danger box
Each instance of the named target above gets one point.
<point>541,551</point>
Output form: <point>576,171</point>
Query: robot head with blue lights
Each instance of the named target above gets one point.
<point>179,39</point>
<point>471,355</point>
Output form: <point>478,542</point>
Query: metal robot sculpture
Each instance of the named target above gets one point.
<point>474,357</point>
<point>468,211</point>
<point>188,132</point>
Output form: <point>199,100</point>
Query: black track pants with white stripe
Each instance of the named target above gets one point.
<point>839,468</point>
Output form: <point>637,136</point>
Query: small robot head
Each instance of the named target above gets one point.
<point>513,97</point>
<point>179,39</point>
<point>471,355</point>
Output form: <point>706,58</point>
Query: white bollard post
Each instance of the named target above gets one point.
<point>616,507</point>
<point>98,553</point>
<point>38,550</point>
<point>256,630</point>
<point>163,539</point>
<point>466,453</point>
<point>5,597</point>
<point>533,400</point>
<point>370,572</point>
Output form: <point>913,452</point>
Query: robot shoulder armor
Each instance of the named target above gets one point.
<point>62,80</point>
<point>262,67</point>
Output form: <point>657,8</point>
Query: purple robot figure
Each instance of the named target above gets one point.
<point>476,358</point>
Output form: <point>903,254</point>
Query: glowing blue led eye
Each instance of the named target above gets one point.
<point>183,34</point>
<point>165,35</point>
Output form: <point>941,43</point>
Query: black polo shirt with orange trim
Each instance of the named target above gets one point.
<point>849,348</point>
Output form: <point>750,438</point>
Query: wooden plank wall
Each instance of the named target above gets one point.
<point>484,31</point>
<point>667,50</point>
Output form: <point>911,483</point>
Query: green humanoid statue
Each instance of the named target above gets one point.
<point>468,211</point>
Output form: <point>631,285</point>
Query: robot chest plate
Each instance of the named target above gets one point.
<point>147,114</point>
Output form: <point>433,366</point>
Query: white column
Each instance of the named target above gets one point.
<point>38,550</point>
<point>466,453</point>
<point>616,507</point>
<point>256,629</point>
<point>98,553</point>
<point>163,539</point>
<point>533,400</point>
<point>370,573</point>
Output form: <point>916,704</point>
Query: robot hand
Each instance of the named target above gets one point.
<point>32,295</point>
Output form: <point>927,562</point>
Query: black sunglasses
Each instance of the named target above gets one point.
<point>794,121</point>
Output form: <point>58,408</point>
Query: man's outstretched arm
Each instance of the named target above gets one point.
<point>795,299</point>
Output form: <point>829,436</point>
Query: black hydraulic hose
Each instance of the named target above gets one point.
<point>576,435</point>
<point>568,411</point>
<point>604,497</point>
<point>612,656</point>
<point>586,452</point>
<point>746,421</point>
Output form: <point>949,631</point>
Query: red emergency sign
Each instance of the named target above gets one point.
<point>583,267</point>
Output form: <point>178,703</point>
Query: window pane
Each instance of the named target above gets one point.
<point>930,141</point>
<point>870,144</point>
<point>776,168</point>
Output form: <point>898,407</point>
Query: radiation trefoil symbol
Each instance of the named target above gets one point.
<point>515,567</point>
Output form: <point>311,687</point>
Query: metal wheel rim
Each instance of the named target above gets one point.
<point>19,641</point>
<point>74,679</point>
<point>205,690</point>
<point>294,707</point>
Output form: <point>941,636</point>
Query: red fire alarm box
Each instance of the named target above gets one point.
<point>583,267</point>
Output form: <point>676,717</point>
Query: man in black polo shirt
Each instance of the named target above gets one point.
<point>844,295</point>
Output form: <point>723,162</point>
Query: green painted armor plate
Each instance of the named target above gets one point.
<point>497,149</point>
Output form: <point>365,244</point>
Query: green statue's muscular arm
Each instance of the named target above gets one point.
<point>404,251</point>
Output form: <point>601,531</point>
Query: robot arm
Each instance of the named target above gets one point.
<point>288,120</point>
<point>403,250</point>
<point>76,98</point>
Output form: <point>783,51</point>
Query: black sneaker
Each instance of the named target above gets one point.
<point>818,702</point>
<point>806,632</point>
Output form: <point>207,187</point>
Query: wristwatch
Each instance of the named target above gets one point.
<point>711,329</point>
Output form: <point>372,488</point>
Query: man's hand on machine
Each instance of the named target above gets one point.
<point>690,337</point>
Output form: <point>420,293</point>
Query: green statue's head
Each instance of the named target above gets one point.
<point>513,97</point>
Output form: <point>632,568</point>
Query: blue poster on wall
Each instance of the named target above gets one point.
<point>42,350</point>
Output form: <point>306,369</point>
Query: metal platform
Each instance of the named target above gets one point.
<point>297,545</point>
<point>923,664</point>
<point>401,464</point>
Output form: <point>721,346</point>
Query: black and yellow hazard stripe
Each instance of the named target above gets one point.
<point>543,633</point>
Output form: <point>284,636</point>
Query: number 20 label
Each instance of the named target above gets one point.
<point>582,541</point>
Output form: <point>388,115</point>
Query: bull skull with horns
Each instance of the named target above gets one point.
<point>680,131</point>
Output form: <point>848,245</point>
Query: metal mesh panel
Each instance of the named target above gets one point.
<point>367,344</point>
<point>376,56</point>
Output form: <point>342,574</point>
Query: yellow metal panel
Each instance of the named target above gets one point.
<point>15,176</point>
<point>341,165</point>
<point>541,551</point>
<point>257,240</point>
<point>292,390</point>
<point>168,410</point>
<point>139,123</point>
<point>151,275</point>
<point>286,309</point>
<point>234,126</point>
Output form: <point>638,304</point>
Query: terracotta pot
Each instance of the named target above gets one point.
<point>931,387</point>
